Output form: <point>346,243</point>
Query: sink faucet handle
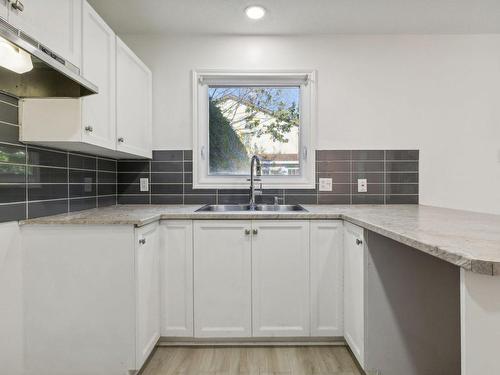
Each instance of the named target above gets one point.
<point>277,200</point>
<point>259,190</point>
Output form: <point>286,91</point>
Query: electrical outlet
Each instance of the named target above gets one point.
<point>325,184</point>
<point>144,184</point>
<point>362,185</point>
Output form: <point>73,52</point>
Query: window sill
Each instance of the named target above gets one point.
<point>232,183</point>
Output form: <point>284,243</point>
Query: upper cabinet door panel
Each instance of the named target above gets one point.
<point>134,103</point>
<point>99,67</point>
<point>4,12</point>
<point>55,23</point>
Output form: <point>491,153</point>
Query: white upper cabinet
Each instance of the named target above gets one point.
<point>134,103</point>
<point>57,24</point>
<point>222,278</point>
<point>280,278</point>
<point>99,67</point>
<point>110,123</point>
<point>147,264</point>
<point>327,278</point>
<point>354,331</point>
<point>176,259</point>
<point>4,10</point>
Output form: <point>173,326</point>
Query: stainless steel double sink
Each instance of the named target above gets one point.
<point>247,207</point>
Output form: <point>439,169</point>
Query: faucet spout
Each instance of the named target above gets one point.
<point>255,169</point>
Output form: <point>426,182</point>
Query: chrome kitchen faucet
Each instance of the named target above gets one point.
<point>255,166</point>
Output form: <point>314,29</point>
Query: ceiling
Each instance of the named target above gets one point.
<point>301,16</point>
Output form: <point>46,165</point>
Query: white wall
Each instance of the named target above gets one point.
<point>11,300</point>
<point>440,94</point>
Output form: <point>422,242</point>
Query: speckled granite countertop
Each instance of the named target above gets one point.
<point>466,239</point>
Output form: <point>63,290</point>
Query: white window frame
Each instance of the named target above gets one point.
<point>306,79</point>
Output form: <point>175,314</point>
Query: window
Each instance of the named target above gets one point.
<point>238,115</point>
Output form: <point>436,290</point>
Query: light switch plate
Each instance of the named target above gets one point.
<point>362,185</point>
<point>144,184</point>
<point>325,184</point>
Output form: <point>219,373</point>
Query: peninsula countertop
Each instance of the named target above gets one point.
<point>466,239</point>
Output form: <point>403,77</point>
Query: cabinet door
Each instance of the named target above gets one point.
<point>354,289</point>
<point>222,278</point>
<point>57,24</point>
<point>280,278</point>
<point>148,291</point>
<point>4,10</point>
<point>134,103</point>
<point>327,292</point>
<point>99,66</point>
<point>176,278</point>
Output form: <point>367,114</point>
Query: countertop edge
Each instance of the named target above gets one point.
<point>460,259</point>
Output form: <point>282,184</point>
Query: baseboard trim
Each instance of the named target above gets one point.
<point>252,341</point>
<point>356,362</point>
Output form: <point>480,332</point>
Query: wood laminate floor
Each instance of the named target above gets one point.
<point>297,360</point>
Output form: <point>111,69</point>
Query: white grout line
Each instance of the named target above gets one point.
<point>9,123</point>
<point>11,104</point>
<point>20,145</point>
<point>26,180</point>
<point>47,149</point>
<point>385,171</point>
<point>12,203</point>
<point>149,180</point>
<point>67,179</point>
<point>183,173</point>
<point>48,200</point>
<point>97,182</point>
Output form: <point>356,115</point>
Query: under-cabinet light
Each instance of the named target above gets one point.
<point>14,58</point>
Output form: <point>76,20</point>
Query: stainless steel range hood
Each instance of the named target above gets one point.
<point>51,76</point>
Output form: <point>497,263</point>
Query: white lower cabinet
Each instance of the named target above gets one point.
<point>280,278</point>
<point>263,278</point>
<point>115,290</point>
<point>92,301</point>
<point>222,278</point>
<point>176,259</point>
<point>354,331</point>
<point>147,268</point>
<point>327,271</point>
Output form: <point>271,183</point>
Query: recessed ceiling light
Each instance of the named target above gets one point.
<point>255,12</point>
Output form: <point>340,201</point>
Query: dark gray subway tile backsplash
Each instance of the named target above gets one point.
<point>37,181</point>
<point>392,178</point>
